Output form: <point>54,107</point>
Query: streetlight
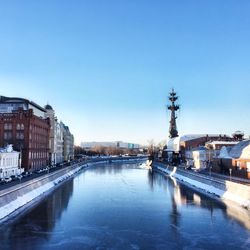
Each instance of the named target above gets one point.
<point>230,173</point>
<point>209,159</point>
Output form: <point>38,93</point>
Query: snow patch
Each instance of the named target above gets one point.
<point>223,194</point>
<point>28,197</point>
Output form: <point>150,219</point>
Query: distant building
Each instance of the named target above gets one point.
<point>9,162</point>
<point>184,145</point>
<point>68,143</point>
<point>201,157</point>
<point>127,145</point>
<point>215,146</point>
<point>116,144</point>
<point>236,158</point>
<point>55,138</point>
<point>23,124</point>
<point>94,144</point>
<point>238,135</point>
<point>59,142</point>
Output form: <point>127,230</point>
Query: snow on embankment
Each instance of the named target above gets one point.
<point>226,190</point>
<point>19,197</point>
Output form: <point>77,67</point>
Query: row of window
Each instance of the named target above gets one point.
<point>38,129</point>
<point>8,136</point>
<point>8,126</point>
<point>4,162</point>
<point>37,164</point>
<point>37,155</point>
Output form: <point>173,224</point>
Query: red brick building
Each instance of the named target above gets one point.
<point>29,133</point>
<point>193,141</point>
<point>236,158</point>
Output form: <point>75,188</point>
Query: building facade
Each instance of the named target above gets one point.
<point>183,146</point>
<point>55,137</point>
<point>68,143</point>
<point>201,158</point>
<point>10,162</point>
<point>23,124</point>
<point>234,160</point>
<point>59,142</point>
<point>116,144</point>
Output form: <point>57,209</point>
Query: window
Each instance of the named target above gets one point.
<point>7,135</point>
<point>22,126</point>
<point>20,135</point>
<point>18,127</point>
<point>7,126</point>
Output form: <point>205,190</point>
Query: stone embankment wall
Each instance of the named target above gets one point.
<point>17,198</point>
<point>224,189</point>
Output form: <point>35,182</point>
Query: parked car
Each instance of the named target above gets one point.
<point>2,181</point>
<point>25,174</point>
<point>7,179</point>
<point>19,177</point>
<point>30,173</point>
<point>13,177</point>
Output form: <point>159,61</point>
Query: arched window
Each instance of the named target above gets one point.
<point>22,126</point>
<point>18,127</point>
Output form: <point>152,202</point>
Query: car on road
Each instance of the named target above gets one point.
<point>39,171</point>
<point>7,179</point>
<point>25,174</point>
<point>19,177</point>
<point>30,173</point>
<point>13,177</point>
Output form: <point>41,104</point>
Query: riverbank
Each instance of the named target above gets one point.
<point>16,199</point>
<point>226,191</point>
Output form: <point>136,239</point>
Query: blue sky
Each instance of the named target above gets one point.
<point>107,66</point>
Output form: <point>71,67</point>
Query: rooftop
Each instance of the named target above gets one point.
<point>5,99</point>
<point>196,136</point>
<point>241,150</point>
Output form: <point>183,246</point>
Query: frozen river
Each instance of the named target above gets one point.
<point>125,207</point>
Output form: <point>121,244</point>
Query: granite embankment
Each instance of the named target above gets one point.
<point>226,191</point>
<point>24,195</point>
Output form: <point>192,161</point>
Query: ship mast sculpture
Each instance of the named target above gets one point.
<point>173,108</point>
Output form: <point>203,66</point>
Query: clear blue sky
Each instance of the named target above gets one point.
<point>107,66</point>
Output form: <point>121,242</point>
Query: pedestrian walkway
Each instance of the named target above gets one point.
<point>215,175</point>
<point>232,178</point>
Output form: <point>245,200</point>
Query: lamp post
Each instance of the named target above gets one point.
<point>209,159</point>
<point>230,173</point>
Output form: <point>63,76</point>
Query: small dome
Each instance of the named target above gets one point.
<point>48,107</point>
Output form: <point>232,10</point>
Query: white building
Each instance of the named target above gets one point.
<point>201,157</point>
<point>9,162</point>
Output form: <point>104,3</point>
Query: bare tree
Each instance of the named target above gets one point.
<point>162,144</point>
<point>151,146</point>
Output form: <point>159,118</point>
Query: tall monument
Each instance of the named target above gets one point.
<point>173,107</point>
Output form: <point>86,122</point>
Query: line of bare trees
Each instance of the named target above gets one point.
<point>101,150</point>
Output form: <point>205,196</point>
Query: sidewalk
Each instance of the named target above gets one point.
<point>215,175</point>
<point>232,178</point>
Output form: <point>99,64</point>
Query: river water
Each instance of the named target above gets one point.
<point>125,206</point>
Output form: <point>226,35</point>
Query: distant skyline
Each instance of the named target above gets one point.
<point>106,67</point>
